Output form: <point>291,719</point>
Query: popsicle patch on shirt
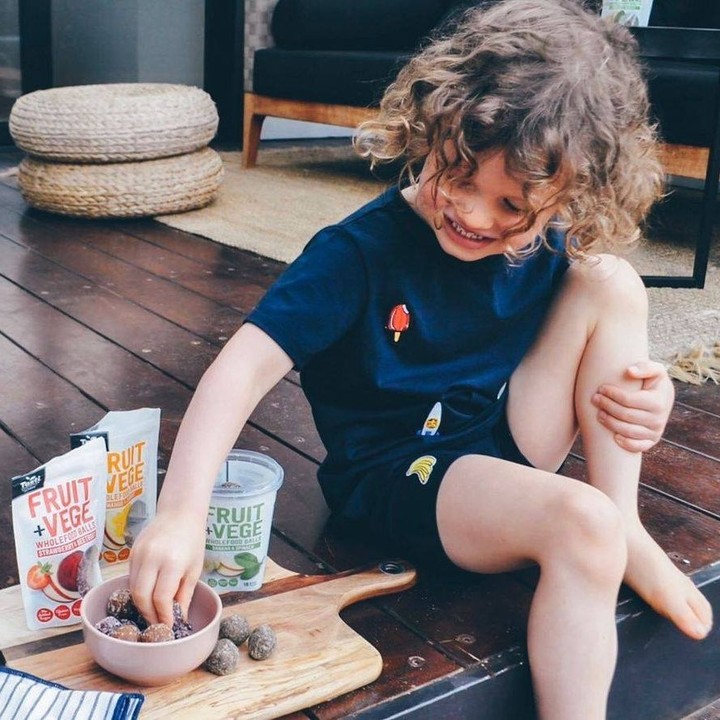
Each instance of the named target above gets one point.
<point>422,467</point>
<point>398,321</point>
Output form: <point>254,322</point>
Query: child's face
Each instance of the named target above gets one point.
<point>475,215</point>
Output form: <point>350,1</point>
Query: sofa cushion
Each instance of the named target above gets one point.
<point>353,24</point>
<point>325,76</point>
<point>683,97</point>
<point>688,13</point>
<point>682,94</point>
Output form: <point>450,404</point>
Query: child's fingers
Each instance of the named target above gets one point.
<point>629,430</point>
<point>185,593</point>
<point>611,398</point>
<point>616,394</point>
<point>153,591</point>
<point>633,446</point>
<point>631,416</point>
<point>142,585</point>
<point>650,372</point>
<point>163,594</point>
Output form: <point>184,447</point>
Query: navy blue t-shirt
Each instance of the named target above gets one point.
<point>383,325</point>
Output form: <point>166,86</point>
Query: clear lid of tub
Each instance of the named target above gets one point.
<point>246,472</point>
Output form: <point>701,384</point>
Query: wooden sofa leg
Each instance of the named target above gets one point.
<point>252,126</point>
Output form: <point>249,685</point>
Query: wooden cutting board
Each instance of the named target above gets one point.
<point>317,658</point>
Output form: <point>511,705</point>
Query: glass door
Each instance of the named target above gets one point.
<point>10,77</point>
<point>25,53</point>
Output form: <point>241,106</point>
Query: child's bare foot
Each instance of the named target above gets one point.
<point>653,576</point>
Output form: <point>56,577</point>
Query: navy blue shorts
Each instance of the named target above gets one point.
<point>402,512</point>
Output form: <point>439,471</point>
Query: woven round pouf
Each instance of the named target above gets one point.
<point>129,189</point>
<point>113,123</point>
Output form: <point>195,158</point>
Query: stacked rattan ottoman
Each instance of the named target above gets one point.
<point>117,150</point>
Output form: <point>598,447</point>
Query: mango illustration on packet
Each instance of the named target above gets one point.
<point>131,440</point>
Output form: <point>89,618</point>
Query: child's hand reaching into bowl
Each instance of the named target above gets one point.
<point>165,565</point>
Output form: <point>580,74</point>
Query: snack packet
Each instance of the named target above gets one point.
<point>628,12</point>
<point>131,439</point>
<point>58,513</point>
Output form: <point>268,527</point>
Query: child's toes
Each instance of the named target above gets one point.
<point>703,614</point>
<point>689,610</point>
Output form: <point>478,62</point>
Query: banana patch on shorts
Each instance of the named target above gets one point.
<point>422,467</point>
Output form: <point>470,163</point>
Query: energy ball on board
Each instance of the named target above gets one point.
<point>262,642</point>
<point>236,628</point>
<point>224,658</point>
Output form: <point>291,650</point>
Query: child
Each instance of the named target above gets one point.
<point>454,334</point>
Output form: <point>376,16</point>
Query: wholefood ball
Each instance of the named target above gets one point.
<point>108,624</point>
<point>181,627</point>
<point>159,632</point>
<point>236,628</point>
<point>262,642</point>
<point>127,631</point>
<point>120,605</point>
<point>224,658</point>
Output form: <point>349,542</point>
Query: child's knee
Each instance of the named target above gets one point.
<point>608,282</point>
<point>589,534</point>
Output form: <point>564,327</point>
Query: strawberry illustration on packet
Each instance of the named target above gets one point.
<point>58,514</point>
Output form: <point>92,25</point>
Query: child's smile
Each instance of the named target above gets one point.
<point>471,219</point>
<point>464,237</point>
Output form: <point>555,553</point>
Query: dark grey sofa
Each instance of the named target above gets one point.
<point>330,60</point>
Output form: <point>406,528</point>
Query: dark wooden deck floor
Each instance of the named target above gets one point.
<point>117,315</point>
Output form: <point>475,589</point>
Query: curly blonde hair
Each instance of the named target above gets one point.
<point>557,88</point>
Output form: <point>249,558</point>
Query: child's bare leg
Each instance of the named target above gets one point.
<point>596,329</point>
<point>494,516</point>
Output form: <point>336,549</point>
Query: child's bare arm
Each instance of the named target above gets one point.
<point>167,557</point>
<point>638,417</point>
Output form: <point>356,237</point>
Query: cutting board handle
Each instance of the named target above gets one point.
<point>383,578</point>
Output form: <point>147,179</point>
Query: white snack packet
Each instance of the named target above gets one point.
<point>131,439</point>
<point>58,513</point>
<point>628,12</point>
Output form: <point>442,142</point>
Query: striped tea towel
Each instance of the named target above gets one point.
<point>26,697</point>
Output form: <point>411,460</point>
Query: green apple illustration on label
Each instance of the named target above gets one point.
<point>249,563</point>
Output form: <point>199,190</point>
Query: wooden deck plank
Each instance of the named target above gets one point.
<point>709,712</point>
<point>40,407</point>
<point>683,474</point>
<point>101,368</point>
<point>703,397</point>
<point>262,271</point>
<point>149,337</point>
<point>401,648</point>
<point>14,459</point>
<point>407,665</point>
<point>682,465</point>
<point>81,302</point>
<point>694,429</point>
<point>143,333</point>
<point>691,538</point>
<point>225,280</point>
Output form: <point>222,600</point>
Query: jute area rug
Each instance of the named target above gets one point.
<point>276,207</point>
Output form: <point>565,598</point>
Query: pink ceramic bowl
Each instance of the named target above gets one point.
<point>151,663</point>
